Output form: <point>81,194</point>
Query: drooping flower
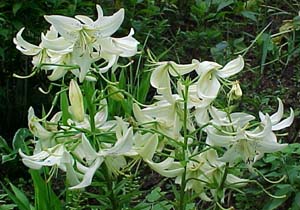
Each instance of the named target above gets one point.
<point>248,145</point>
<point>160,77</point>
<point>208,84</point>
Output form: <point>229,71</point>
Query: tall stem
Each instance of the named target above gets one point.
<point>182,202</point>
<point>112,196</point>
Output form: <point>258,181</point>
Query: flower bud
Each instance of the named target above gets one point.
<point>76,100</point>
<point>236,91</point>
<point>115,93</point>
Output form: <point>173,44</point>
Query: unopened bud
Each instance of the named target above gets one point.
<point>76,101</point>
<point>115,93</point>
<point>236,91</point>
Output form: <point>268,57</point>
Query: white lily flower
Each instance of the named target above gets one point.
<point>160,78</point>
<point>205,172</point>
<point>144,146</point>
<point>49,46</point>
<point>277,124</point>
<point>243,144</point>
<point>89,36</point>
<point>210,73</point>
<point>36,128</point>
<point>49,157</point>
<point>89,160</point>
<point>162,116</point>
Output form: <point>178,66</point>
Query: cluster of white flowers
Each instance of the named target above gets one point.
<point>242,137</point>
<point>73,44</point>
<point>182,110</point>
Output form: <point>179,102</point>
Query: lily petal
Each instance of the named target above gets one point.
<point>107,25</point>
<point>284,123</point>
<point>88,175</point>
<point>208,85</point>
<point>231,68</point>
<point>67,27</point>
<point>24,46</point>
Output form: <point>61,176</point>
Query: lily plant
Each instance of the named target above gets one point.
<point>184,134</point>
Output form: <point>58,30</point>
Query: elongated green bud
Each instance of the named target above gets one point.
<point>115,93</point>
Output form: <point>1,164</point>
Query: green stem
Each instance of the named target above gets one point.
<point>182,201</point>
<point>112,196</point>
<point>89,90</point>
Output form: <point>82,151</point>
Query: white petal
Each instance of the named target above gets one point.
<point>122,145</point>
<point>35,127</point>
<point>181,69</point>
<point>149,148</point>
<point>206,66</point>
<point>57,44</point>
<point>160,77</point>
<point>101,116</point>
<point>231,155</point>
<point>108,25</point>
<point>217,139</point>
<point>235,181</point>
<point>24,46</point>
<point>140,116</point>
<point>276,117</point>
<point>231,68</point>
<point>284,123</point>
<point>201,116</point>
<point>208,85</point>
<point>67,27</point>
<point>111,59</point>
<point>127,45</point>
<point>57,74</point>
<point>167,168</point>
<point>88,176</point>
<point>84,151</point>
<point>269,144</point>
<point>84,19</point>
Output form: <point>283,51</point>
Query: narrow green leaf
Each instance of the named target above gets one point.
<point>45,198</point>
<point>64,106</point>
<point>8,206</point>
<point>224,4</point>
<point>13,197</point>
<point>250,15</point>
<point>20,195</point>
<point>16,7</point>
